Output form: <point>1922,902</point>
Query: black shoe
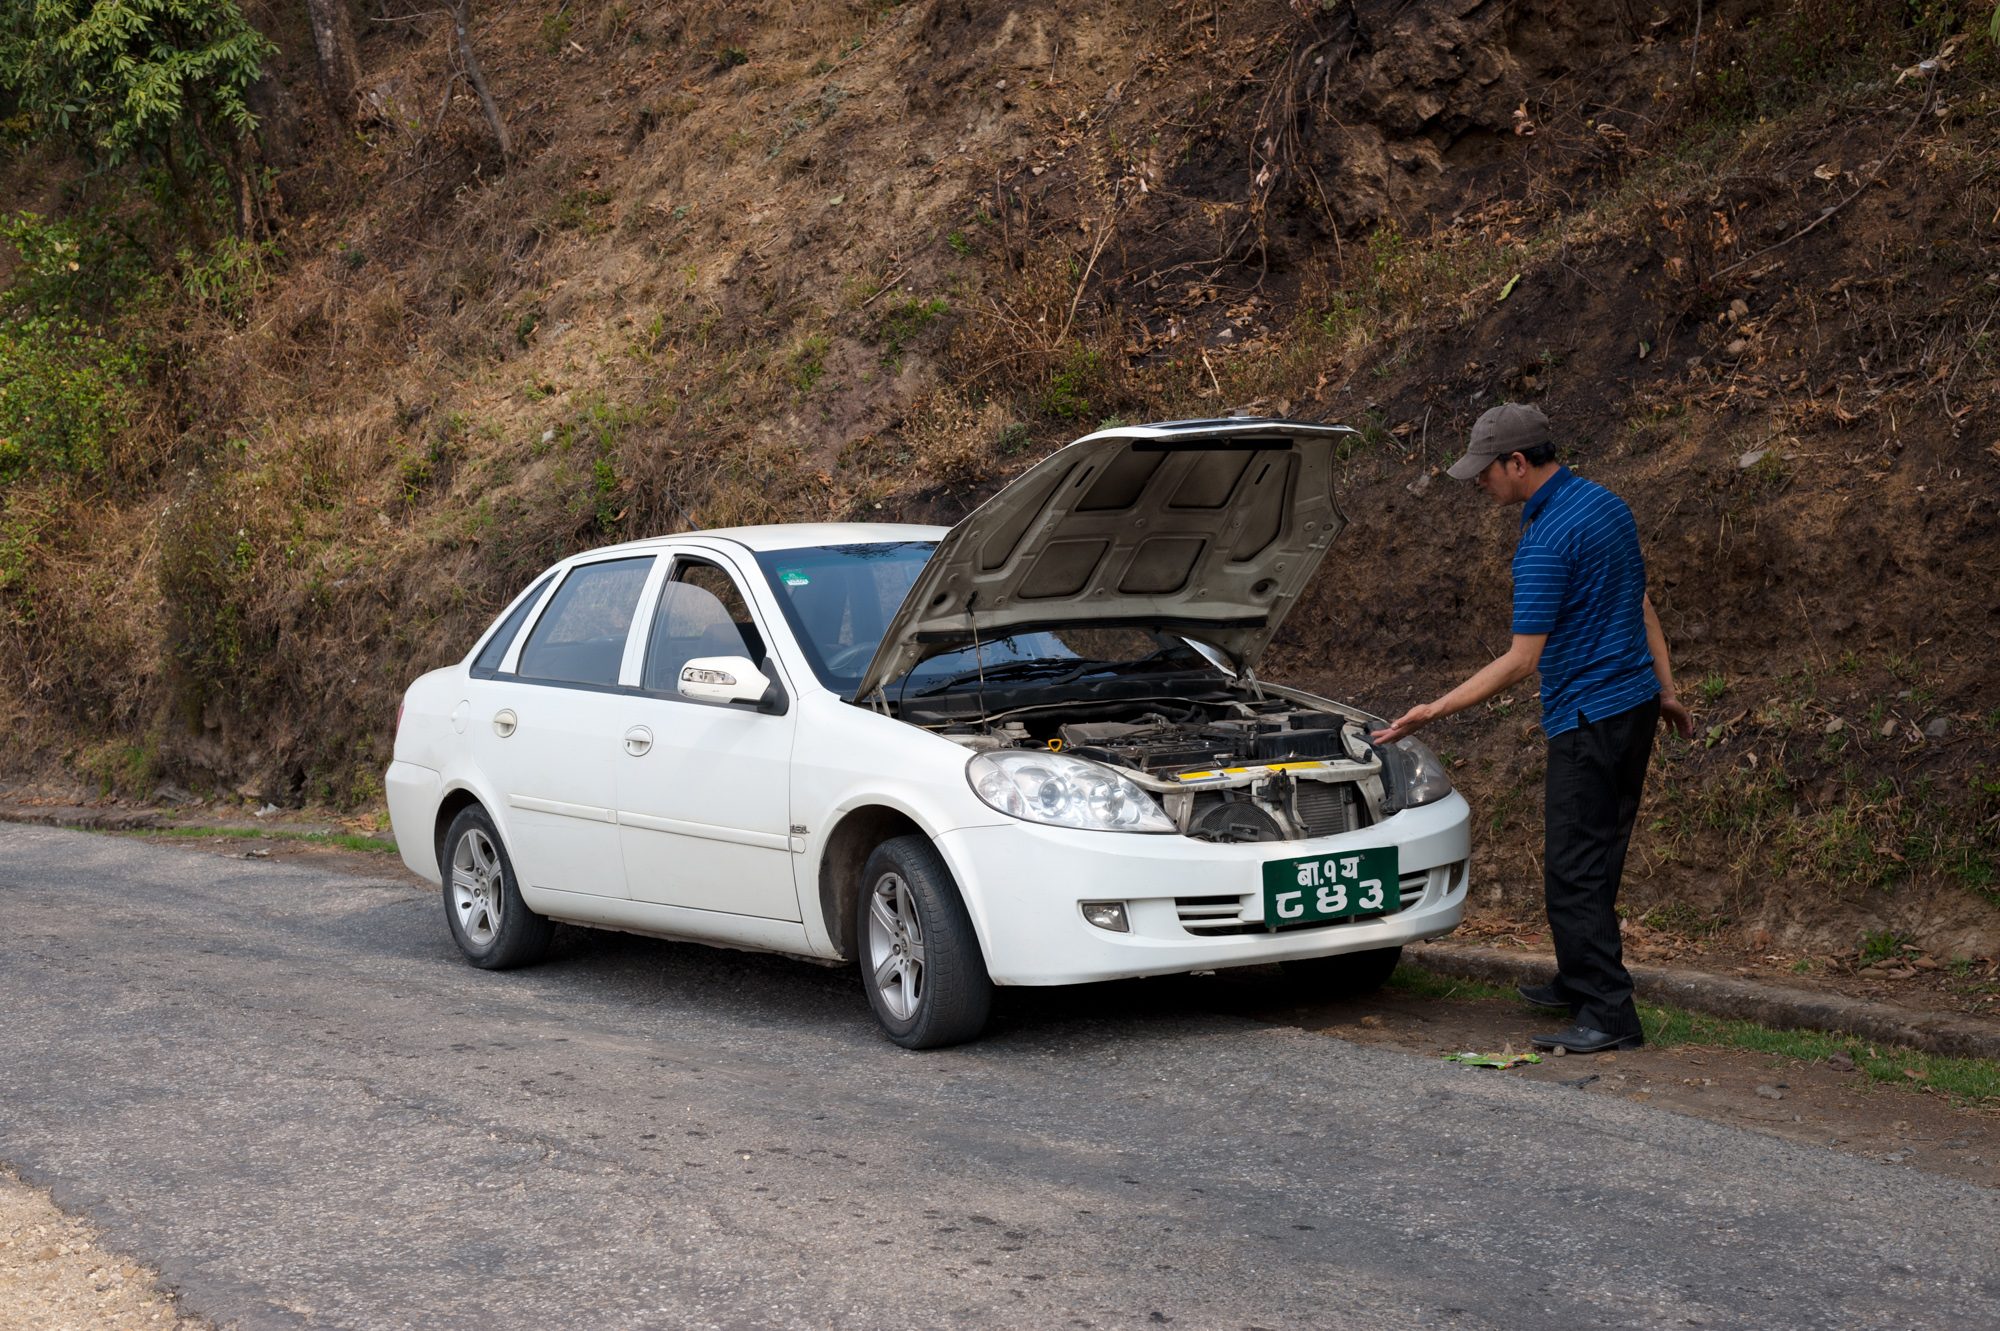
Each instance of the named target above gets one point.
<point>1545,995</point>
<point>1587,1040</point>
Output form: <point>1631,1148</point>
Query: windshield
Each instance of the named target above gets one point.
<point>839,600</point>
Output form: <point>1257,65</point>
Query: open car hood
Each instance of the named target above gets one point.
<point>1209,529</point>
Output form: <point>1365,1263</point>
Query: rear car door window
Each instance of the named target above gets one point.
<point>580,638</point>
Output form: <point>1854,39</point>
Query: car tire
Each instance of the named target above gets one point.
<point>490,923</point>
<point>1349,975</point>
<point>919,957</point>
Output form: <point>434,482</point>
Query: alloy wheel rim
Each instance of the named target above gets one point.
<point>476,887</point>
<point>896,946</point>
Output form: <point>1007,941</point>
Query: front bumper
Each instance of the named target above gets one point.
<point>1193,905</point>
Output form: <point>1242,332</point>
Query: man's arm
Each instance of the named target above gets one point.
<point>1503,672</point>
<point>1672,709</point>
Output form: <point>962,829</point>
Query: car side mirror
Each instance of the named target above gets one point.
<point>731,679</point>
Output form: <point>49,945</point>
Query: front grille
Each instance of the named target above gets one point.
<point>1220,917</point>
<point>1212,916</point>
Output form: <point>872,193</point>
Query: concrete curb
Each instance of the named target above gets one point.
<point>1746,1000</point>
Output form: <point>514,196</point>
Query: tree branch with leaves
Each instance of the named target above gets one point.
<point>157,85</point>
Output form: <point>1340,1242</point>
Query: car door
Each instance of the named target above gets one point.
<point>547,725</point>
<point>704,788</point>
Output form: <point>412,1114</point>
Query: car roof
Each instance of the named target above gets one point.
<point>794,535</point>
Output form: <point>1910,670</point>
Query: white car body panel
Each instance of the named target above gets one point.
<point>748,932</point>
<point>849,758</point>
<point>1211,528</point>
<point>705,815</point>
<point>557,775</point>
<point>414,793</point>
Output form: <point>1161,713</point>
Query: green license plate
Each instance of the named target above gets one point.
<point>1330,887</point>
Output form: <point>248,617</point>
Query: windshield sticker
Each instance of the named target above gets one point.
<point>791,577</point>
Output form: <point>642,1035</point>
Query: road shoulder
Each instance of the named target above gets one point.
<point>55,1272</point>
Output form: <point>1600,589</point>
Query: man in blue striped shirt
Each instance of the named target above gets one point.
<point>1582,617</point>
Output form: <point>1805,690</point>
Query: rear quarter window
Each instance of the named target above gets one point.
<point>495,651</point>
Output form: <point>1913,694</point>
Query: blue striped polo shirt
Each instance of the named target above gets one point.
<point>1579,577</point>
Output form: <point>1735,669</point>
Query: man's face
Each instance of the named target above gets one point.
<point>1501,479</point>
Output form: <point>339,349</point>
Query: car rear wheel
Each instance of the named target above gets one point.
<point>1350,975</point>
<point>489,922</point>
<point>919,957</point>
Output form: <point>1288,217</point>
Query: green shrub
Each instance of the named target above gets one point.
<point>578,211</point>
<point>65,393</point>
<point>808,361</point>
<point>1072,385</point>
<point>555,31</point>
<point>86,267</point>
<point>1881,945</point>
<point>21,525</point>
<point>227,277</point>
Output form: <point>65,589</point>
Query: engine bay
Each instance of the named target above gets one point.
<point>1228,768</point>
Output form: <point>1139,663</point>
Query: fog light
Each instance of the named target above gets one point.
<point>1107,915</point>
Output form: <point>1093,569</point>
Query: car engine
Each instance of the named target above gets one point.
<point>1233,770</point>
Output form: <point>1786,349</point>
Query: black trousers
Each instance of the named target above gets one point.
<point>1596,772</point>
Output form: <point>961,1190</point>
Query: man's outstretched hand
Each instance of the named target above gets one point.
<point>1408,723</point>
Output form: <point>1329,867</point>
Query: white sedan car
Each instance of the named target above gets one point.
<point>1031,749</point>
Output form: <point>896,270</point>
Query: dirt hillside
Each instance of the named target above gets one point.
<point>827,260</point>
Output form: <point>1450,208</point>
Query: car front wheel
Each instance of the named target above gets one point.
<point>1349,975</point>
<point>919,957</point>
<point>482,902</point>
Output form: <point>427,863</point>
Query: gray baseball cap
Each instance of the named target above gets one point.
<point>1500,431</point>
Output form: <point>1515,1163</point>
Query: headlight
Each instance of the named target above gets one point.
<point>1412,775</point>
<point>1064,792</point>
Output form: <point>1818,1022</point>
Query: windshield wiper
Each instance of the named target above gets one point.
<point>1032,667</point>
<point>1063,669</point>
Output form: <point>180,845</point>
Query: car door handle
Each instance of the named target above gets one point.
<point>505,722</point>
<point>638,740</point>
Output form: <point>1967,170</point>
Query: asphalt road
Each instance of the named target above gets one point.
<point>280,1086</point>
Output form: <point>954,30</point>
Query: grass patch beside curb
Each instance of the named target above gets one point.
<point>1974,1080</point>
<point>1968,1080</point>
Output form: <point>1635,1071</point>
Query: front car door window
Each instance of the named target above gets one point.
<point>701,613</point>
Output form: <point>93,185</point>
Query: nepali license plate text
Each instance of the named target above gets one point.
<point>1331,887</point>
